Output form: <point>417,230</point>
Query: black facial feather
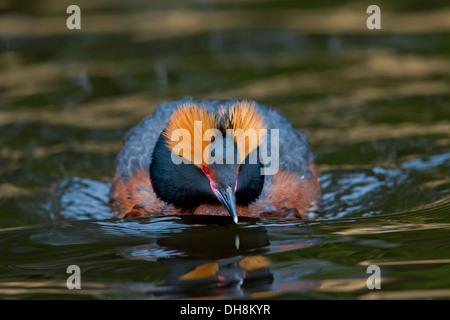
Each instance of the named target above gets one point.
<point>185,185</point>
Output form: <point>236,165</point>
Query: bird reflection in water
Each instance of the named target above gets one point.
<point>221,260</point>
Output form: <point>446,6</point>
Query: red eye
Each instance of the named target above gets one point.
<point>205,170</point>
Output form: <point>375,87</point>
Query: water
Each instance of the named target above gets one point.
<point>374,104</point>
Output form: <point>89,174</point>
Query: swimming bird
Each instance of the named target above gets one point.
<point>215,157</point>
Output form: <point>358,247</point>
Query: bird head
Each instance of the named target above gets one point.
<point>209,157</point>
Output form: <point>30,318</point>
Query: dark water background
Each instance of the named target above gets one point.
<point>375,104</point>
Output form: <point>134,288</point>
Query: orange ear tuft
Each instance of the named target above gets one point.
<point>248,127</point>
<point>185,131</point>
<point>189,123</point>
